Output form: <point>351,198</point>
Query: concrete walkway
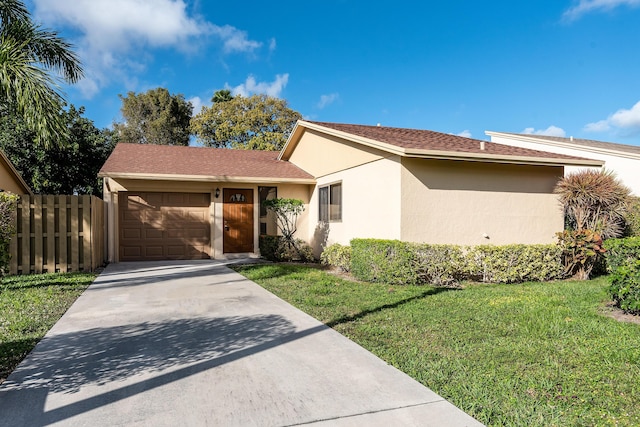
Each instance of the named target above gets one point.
<point>196,344</point>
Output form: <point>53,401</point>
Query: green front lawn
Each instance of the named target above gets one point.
<point>535,354</point>
<point>29,306</point>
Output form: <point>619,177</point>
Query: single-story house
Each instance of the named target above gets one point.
<point>622,159</point>
<point>356,181</point>
<point>10,178</point>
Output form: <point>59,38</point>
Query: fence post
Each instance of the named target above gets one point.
<point>26,234</point>
<point>38,237</point>
<point>51,234</point>
<point>62,235</point>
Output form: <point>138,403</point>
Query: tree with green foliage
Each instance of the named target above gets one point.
<point>155,117</point>
<point>594,200</point>
<point>287,247</point>
<point>34,62</point>
<point>222,95</point>
<point>594,203</point>
<point>258,122</point>
<point>68,169</point>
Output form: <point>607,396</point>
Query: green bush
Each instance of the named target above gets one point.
<point>277,248</point>
<point>395,262</point>
<point>620,252</point>
<point>383,261</point>
<point>632,217</point>
<point>625,287</point>
<point>439,264</point>
<point>269,246</point>
<point>338,256</point>
<point>581,251</point>
<point>514,263</point>
<point>8,205</point>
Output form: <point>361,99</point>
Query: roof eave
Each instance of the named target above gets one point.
<point>206,178</point>
<point>520,160</point>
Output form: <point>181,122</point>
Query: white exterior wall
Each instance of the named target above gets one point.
<point>370,204</point>
<point>626,166</point>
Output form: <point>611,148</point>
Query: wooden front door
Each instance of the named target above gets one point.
<point>238,220</point>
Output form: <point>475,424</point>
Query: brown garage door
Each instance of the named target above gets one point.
<point>159,226</point>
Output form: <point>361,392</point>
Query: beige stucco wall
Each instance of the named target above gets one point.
<point>113,186</point>
<point>462,202</point>
<point>321,155</point>
<point>8,180</point>
<point>370,204</point>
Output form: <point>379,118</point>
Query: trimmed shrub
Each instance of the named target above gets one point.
<point>269,246</point>
<point>620,252</point>
<point>439,265</point>
<point>383,261</point>
<point>396,263</point>
<point>625,287</point>
<point>514,263</point>
<point>337,256</point>
<point>278,248</point>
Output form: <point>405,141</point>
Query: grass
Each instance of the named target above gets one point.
<point>534,354</point>
<point>29,306</point>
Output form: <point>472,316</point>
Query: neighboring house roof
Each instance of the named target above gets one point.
<point>430,144</point>
<point>149,161</point>
<point>622,150</point>
<point>19,183</point>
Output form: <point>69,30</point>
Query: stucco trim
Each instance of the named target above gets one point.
<point>575,145</point>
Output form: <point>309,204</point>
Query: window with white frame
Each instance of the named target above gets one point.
<point>330,201</point>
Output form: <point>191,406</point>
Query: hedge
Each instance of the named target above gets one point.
<point>621,252</point>
<point>395,262</point>
<point>514,263</point>
<point>623,262</point>
<point>625,287</point>
<point>338,256</point>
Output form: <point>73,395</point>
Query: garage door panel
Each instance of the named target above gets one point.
<point>131,233</point>
<point>132,251</point>
<point>164,226</point>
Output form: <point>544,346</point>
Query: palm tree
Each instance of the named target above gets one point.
<point>33,64</point>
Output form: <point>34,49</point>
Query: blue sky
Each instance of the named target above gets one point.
<point>561,67</point>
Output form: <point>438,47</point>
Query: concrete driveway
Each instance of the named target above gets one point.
<point>196,344</point>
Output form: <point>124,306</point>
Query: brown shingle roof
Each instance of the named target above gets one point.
<point>149,159</point>
<point>415,139</point>
<point>584,142</point>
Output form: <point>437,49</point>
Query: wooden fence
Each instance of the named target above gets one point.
<point>58,234</point>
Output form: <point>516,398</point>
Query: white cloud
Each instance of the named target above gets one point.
<point>326,100</point>
<point>272,45</point>
<point>586,6</point>
<point>197,103</point>
<point>466,133</point>
<point>251,86</point>
<point>235,40</point>
<point>623,119</point>
<point>113,34</point>
<point>550,131</point>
